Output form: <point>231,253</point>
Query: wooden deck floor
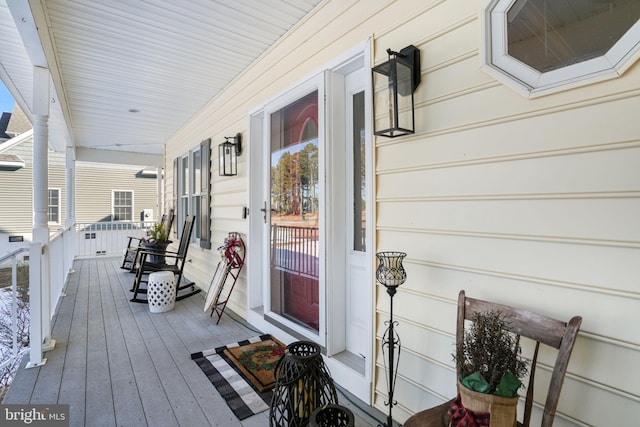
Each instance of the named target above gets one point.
<point>116,364</point>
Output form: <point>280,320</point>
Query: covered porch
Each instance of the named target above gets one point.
<point>527,199</point>
<point>115,363</point>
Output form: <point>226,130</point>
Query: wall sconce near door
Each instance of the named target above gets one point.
<point>394,82</point>
<point>228,153</point>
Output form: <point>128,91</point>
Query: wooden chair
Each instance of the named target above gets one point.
<point>542,329</point>
<point>176,265</point>
<point>129,261</point>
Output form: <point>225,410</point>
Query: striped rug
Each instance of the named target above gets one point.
<point>243,399</point>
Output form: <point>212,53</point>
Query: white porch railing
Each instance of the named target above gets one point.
<point>49,266</point>
<point>61,254</point>
<point>107,238</point>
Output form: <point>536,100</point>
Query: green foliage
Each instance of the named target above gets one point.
<point>489,349</point>
<point>158,233</point>
<point>294,182</point>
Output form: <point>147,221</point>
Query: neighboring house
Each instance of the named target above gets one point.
<point>103,192</point>
<point>17,122</point>
<point>4,121</point>
<point>518,189</point>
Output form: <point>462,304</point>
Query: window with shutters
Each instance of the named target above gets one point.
<point>192,191</point>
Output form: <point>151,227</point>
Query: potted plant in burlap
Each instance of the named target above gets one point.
<point>490,366</point>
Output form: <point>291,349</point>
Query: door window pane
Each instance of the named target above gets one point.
<point>295,192</point>
<point>359,174</point>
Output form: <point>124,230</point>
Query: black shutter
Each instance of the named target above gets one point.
<point>205,191</point>
<point>175,196</point>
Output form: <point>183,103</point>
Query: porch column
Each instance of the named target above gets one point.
<point>70,207</point>
<point>39,286</point>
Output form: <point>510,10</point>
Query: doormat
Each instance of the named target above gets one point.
<point>243,372</point>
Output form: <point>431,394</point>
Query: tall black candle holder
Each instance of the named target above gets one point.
<point>303,383</point>
<point>391,274</point>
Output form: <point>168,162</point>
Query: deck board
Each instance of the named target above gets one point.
<point>115,363</point>
<point>125,397</point>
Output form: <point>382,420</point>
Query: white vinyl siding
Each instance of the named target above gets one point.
<point>94,186</point>
<point>532,203</point>
<point>528,202</point>
<point>16,210</point>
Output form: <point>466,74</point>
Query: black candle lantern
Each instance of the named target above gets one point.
<point>394,82</point>
<point>391,274</point>
<point>228,153</point>
<point>303,384</point>
<point>331,416</point>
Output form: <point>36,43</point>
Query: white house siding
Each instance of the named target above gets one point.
<point>531,203</point>
<point>95,183</point>
<point>15,184</point>
<point>16,189</point>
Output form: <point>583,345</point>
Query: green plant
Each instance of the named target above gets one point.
<point>491,351</point>
<point>158,233</point>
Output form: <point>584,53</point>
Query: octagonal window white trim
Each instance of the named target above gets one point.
<point>533,83</point>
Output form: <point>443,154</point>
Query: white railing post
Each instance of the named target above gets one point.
<point>35,302</point>
<point>14,305</point>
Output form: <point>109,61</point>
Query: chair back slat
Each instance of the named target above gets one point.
<point>542,329</point>
<point>185,239</point>
<point>532,375</point>
<point>167,221</point>
<point>560,369</point>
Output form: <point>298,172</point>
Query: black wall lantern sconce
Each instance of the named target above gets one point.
<point>394,82</point>
<point>228,153</point>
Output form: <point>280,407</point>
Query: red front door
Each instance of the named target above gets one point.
<point>294,212</point>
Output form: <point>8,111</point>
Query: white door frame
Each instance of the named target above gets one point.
<point>333,310</point>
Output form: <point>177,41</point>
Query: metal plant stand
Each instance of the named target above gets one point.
<point>391,274</point>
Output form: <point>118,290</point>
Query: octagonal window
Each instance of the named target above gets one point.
<point>544,46</point>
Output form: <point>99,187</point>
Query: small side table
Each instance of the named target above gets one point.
<point>161,291</point>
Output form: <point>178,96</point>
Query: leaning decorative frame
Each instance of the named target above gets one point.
<point>232,255</point>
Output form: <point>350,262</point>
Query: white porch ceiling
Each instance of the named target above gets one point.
<point>128,74</point>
